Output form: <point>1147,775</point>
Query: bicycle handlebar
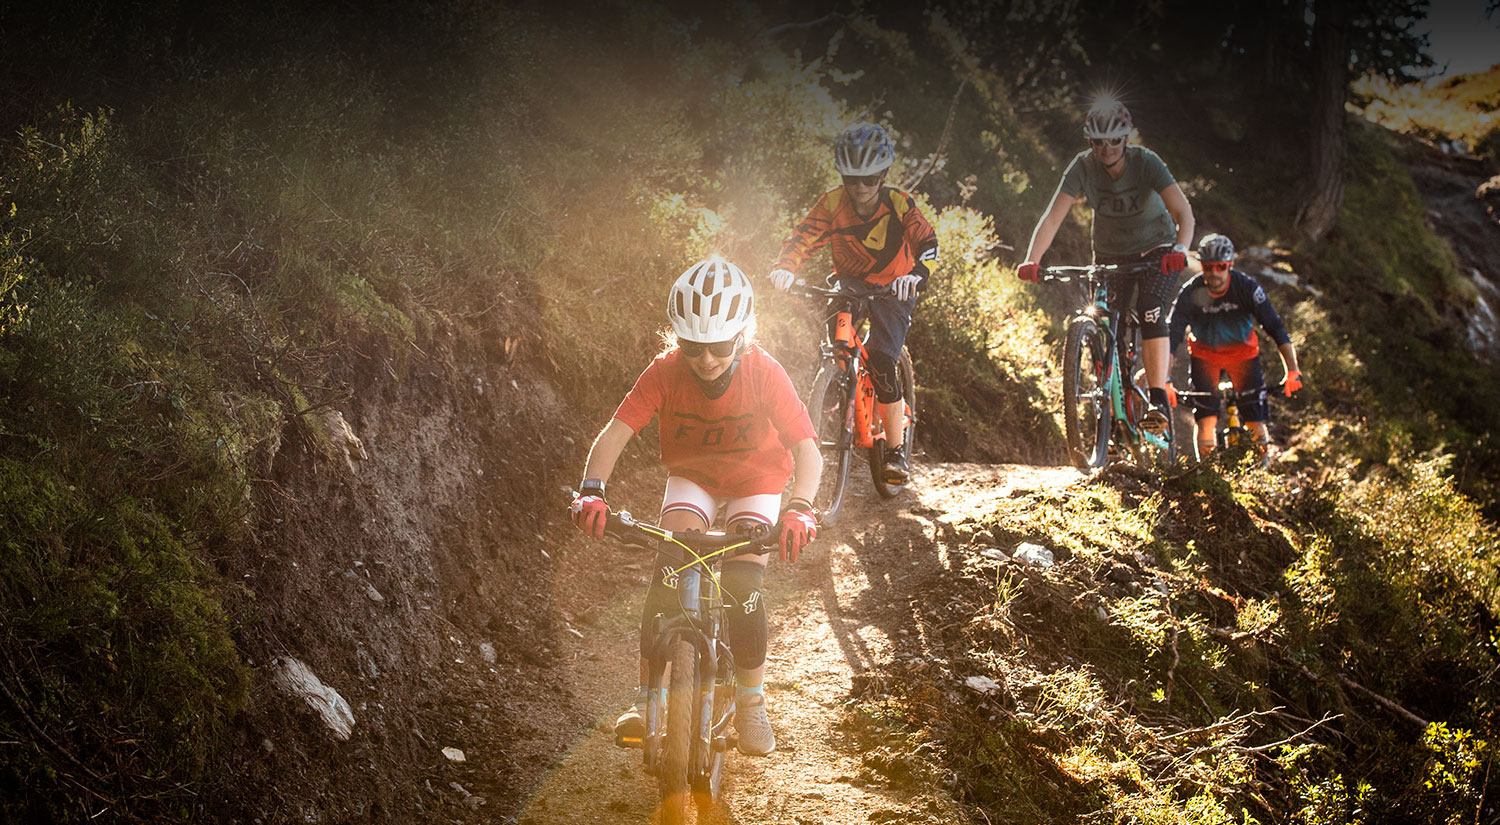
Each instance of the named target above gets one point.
<point>757,539</point>
<point>1068,274</point>
<point>1276,391</point>
<point>840,289</point>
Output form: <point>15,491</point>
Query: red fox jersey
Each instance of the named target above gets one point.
<point>897,240</point>
<point>732,446</point>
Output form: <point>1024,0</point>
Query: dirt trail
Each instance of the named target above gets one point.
<point>842,610</point>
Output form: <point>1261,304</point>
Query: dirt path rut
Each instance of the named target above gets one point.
<point>842,610</point>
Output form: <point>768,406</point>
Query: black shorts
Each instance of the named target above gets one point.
<point>1155,290</point>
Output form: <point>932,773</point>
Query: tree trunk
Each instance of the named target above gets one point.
<point>1319,209</point>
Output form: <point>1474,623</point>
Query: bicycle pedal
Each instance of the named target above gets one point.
<point>723,744</point>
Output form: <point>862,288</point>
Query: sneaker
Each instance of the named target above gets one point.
<point>896,467</point>
<point>754,728</point>
<point>1155,420</point>
<point>630,728</point>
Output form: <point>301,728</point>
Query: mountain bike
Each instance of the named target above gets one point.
<point>688,731</point>
<point>1230,432</point>
<point>842,399</point>
<point>1104,387</point>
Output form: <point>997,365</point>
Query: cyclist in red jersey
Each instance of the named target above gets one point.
<point>880,237</point>
<point>733,431</point>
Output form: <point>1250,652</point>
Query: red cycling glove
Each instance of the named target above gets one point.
<point>1292,383</point>
<point>1173,262</point>
<point>1028,272</point>
<point>589,509</point>
<point>796,529</point>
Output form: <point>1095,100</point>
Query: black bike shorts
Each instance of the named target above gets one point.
<point>1155,290</point>
<point>1244,374</point>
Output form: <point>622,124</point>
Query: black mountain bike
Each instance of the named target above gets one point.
<point>842,400</point>
<point>1104,385</point>
<point>688,733</point>
<point>1230,433</point>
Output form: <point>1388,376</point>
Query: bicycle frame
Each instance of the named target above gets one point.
<point>697,622</point>
<point>849,348</point>
<point>1229,405</point>
<point>1120,348</point>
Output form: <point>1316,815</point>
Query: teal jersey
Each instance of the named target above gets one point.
<point>1129,215</point>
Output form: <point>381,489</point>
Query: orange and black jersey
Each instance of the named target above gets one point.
<point>896,240</point>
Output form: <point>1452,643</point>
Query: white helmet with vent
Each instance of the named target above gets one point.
<point>712,301</point>
<point>1107,119</point>
<point>863,149</point>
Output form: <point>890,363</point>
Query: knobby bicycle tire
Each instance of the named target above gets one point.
<point>1085,403</point>
<point>707,788</point>
<point>677,806</point>
<point>906,376</point>
<point>828,406</point>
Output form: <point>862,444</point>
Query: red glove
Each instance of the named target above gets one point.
<point>1292,383</point>
<point>796,528</point>
<point>589,508</point>
<point>1173,262</point>
<point>1028,272</point>
<point>1171,393</point>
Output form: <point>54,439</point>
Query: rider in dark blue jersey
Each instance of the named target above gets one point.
<point>1217,312</point>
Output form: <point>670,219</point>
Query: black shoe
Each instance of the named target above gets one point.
<point>897,469</point>
<point>1155,420</point>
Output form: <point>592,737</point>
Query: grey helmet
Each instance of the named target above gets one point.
<point>863,149</point>
<point>1107,119</point>
<point>1215,248</point>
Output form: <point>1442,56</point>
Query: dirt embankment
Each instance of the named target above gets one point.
<point>417,582</point>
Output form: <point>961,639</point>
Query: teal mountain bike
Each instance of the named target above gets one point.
<point>1104,385</point>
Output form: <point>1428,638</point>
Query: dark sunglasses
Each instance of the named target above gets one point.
<point>1215,266</point>
<point>863,180</point>
<point>1100,143</point>
<point>720,349</point>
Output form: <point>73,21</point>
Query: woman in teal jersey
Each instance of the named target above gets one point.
<point>1140,213</point>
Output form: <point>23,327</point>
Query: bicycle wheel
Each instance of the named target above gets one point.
<point>1086,410</point>
<point>672,773</point>
<point>908,380</point>
<point>828,406</point>
<point>707,788</point>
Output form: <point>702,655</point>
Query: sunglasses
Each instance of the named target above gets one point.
<point>863,180</point>
<point>720,349</point>
<point>1100,143</point>
<point>1215,266</point>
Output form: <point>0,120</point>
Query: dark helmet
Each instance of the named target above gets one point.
<point>1215,248</point>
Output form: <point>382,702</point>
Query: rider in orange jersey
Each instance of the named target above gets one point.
<point>733,431</point>
<point>880,237</point>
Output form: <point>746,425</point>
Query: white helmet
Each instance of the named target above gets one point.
<point>712,301</point>
<point>1107,119</point>
<point>863,149</point>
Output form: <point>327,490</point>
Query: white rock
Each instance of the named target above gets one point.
<point>994,553</point>
<point>1033,554</point>
<point>453,754</point>
<point>297,679</point>
<point>983,684</point>
<point>487,652</point>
